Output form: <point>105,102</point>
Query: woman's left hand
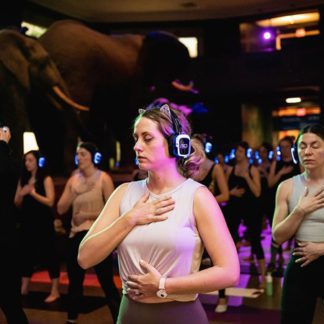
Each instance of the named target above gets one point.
<point>308,252</point>
<point>146,285</point>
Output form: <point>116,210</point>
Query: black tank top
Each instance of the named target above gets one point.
<point>240,182</point>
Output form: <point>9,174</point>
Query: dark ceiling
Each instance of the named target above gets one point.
<point>117,11</point>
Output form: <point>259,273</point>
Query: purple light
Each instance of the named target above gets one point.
<point>267,35</point>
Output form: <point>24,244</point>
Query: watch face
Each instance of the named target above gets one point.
<point>162,294</point>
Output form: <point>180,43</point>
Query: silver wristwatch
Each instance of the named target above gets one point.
<point>161,293</point>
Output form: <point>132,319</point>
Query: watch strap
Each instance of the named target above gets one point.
<point>162,283</point>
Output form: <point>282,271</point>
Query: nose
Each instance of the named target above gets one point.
<point>137,146</point>
<point>308,150</point>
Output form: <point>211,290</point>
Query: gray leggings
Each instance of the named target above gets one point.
<point>132,312</point>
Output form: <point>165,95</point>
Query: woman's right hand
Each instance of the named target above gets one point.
<point>146,212</point>
<point>25,190</point>
<point>308,203</point>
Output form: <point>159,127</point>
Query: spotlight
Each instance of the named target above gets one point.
<point>267,35</point>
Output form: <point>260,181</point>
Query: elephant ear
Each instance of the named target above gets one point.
<point>13,56</point>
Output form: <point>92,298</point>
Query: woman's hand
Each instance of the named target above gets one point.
<point>237,192</point>
<point>308,252</point>
<point>26,190</point>
<point>146,285</point>
<point>308,203</point>
<point>146,212</point>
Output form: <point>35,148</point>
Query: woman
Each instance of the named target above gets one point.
<point>299,213</point>
<point>159,226</point>
<point>86,192</point>
<point>213,177</point>
<point>35,196</point>
<point>209,173</point>
<point>281,169</point>
<point>245,189</point>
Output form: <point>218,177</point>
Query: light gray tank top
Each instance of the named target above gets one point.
<point>312,227</point>
<point>172,246</point>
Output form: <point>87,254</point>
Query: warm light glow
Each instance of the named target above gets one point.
<point>310,17</point>
<point>300,32</point>
<point>293,100</point>
<point>30,143</point>
<point>191,43</point>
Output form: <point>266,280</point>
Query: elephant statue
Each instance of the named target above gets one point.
<point>75,82</point>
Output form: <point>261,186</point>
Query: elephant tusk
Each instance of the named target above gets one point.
<point>69,101</point>
<point>184,87</point>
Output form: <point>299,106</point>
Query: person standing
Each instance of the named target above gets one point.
<point>160,226</point>
<point>213,177</point>
<point>86,192</point>
<point>35,197</point>
<point>281,169</point>
<point>299,213</point>
<point>10,282</point>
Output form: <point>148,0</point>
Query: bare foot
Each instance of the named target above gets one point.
<point>52,298</point>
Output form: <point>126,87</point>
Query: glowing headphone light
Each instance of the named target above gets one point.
<point>97,158</point>
<point>182,145</point>
<point>208,147</point>
<point>294,154</point>
<point>41,162</point>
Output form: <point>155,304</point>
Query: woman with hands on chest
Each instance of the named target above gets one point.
<point>35,196</point>
<point>86,191</point>
<point>245,188</point>
<point>299,213</point>
<point>159,226</point>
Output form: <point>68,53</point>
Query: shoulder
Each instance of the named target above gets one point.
<point>105,176</point>
<point>285,187</point>
<point>48,179</point>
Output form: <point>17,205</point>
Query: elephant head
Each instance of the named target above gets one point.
<point>26,73</point>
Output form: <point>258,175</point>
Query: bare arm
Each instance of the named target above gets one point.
<point>66,199</point>
<point>18,196</point>
<point>107,186</point>
<point>219,178</point>
<point>254,181</point>
<point>49,197</point>
<point>285,225</point>
<point>111,228</point>
<point>213,230</point>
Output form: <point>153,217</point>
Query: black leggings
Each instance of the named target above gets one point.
<point>302,286</point>
<point>104,271</point>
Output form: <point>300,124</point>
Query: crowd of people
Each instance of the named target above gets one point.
<point>183,207</point>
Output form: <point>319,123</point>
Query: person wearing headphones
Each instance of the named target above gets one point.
<point>160,226</point>
<point>35,196</point>
<point>282,168</point>
<point>245,189</point>
<point>10,296</point>
<point>86,191</point>
<point>299,213</point>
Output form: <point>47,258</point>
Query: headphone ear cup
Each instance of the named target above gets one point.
<point>41,162</point>
<point>179,145</point>
<point>97,158</point>
<point>76,162</point>
<point>294,154</point>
